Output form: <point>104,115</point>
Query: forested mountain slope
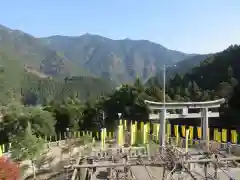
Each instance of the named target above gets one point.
<point>11,75</point>
<point>37,90</point>
<point>31,70</point>
<point>218,68</point>
<point>119,60</point>
<point>19,84</point>
<point>218,73</point>
<point>180,68</point>
<point>216,77</point>
<point>186,65</point>
<point>31,52</point>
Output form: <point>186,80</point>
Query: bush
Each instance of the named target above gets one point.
<point>8,169</point>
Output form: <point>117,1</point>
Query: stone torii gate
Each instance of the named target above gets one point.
<point>204,114</point>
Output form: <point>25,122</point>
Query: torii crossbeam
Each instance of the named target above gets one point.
<point>204,114</point>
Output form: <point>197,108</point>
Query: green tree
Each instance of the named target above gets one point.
<point>68,114</point>
<point>26,145</point>
<point>129,101</point>
<point>16,118</point>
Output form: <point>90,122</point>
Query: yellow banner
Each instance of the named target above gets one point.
<point>125,124</point>
<point>183,131</point>
<point>219,137</point>
<point>191,135</point>
<point>1,153</point>
<point>158,127</point>
<point>120,135</point>
<point>154,132</point>
<point>234,136</point>
<point>191,132</point>
<point>199,132</point>
<point>215,134</point>
<point>145,134</point>
<point>168,131</point>
<point>187,136</point>
<point>132,134</point>
<point>224,135</point>
<point>176,130</point>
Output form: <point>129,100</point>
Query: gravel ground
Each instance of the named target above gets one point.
<point>53,160</point>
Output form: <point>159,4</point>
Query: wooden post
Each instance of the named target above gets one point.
<point>79,174</point>
<point>205,171</point>
<point>109,170</point>
<point>163,173</point>
<point>215,169</point>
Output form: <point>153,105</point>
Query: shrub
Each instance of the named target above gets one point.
<point>8,169</point>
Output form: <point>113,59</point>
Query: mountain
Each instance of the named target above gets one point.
<point>32,53</point>
<point>187,64</point>
<point>28,85</point>
<point>10,77</point>
<point>31,87</point>
<point>182,67</point>
<point>216,76</point>
<point>216,69</point>
<point>29,69</point>
<point>120,60</point>
<point>39,90</point>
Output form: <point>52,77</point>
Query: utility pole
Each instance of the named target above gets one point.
<point>164,85</point>
<point>163,111</point>
<point>215,168</point>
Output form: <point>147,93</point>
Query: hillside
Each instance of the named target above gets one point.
<point>32,53</point>
<point>32,87</point>
<point>186,65</point>
<point>181,68</point>
<point>218,74</point>
<point>216,69</point>
<point>38,90</point>
<point>119,60</point>
<point>31,70</point>
<point>11,75</point>
<point>216,77</point>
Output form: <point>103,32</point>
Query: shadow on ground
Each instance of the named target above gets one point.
<point>102,175</point>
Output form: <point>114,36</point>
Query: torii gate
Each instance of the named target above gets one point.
<point>204,114</point>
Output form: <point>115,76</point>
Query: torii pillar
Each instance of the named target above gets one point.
<point>204,114</point>
<point>205,126</point>
<point>162,127</point>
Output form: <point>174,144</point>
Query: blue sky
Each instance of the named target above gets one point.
<point>192,26</point>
